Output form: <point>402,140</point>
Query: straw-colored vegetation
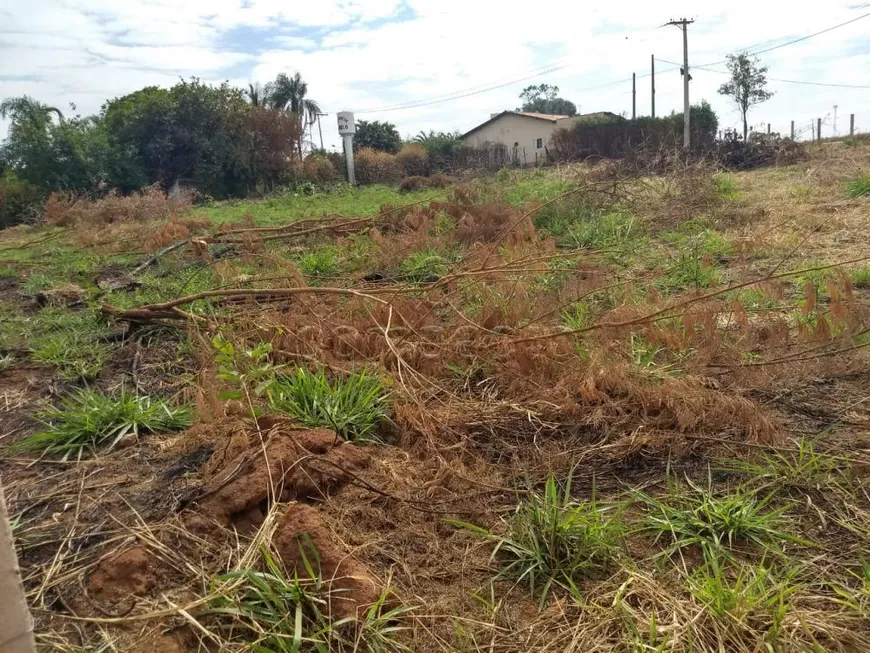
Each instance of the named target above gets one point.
<point>579,409</point>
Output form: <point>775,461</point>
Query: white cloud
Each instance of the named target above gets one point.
<point>353,56</point>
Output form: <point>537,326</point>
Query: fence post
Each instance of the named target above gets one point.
<point>768,129</point>
<point>819,129</point>
<point>792,130</point>
<point>851,124</point>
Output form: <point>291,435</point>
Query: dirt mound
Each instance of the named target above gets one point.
<point>292,464</point>
<point>128,572</point>
<point>303,536</point>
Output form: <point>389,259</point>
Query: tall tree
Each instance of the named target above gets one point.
<point>254,93</point>
<point>289,94</point>
<point>747,86</point>
<point>377,135</point>
<point>25,107</point>
<point>544,98</point>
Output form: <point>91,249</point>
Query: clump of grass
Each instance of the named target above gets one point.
<point>803,468</point>
<point>860,186</point>
<point>726,187</point>
<point>354,406</point>
<point>610,229</point>
<point>856,595</point>
<point>861,277</point>
<point>753,592</point>
<point>427,265</point>
<point>554,541</point>
<point>283,614</point>
<point>75,354</point>
<point>576,316</point>
<point>694,516</point>
<point>90,420</point>
<point>319,262</point>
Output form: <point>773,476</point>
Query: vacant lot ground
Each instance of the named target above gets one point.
<point>572,410</point>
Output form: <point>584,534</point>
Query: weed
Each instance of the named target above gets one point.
<point>804,468</point>
<point>646,356</point>
<point>427,265</point>
<point>861,277</point>
<point>695,516</point>
<point>287,614</point>
<point>75,354</point>
<point>860,186</point>
<point>554,541</point>
<point>857,596</point>
<point>354,406</point>
<point>249,369</point>
<point>576,316</point>
<point>319,262</point>
<point>90,420</point>
<point>754,592</point>
<point>610,229</point>
<point>726,187</point>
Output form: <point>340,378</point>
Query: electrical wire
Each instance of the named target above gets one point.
<point>788,81</point>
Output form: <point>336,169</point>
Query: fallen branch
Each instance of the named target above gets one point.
<point>163,252</point>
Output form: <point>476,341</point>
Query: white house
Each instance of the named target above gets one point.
<point>524,133</point>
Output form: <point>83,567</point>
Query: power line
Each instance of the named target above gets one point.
<point>791,81</point>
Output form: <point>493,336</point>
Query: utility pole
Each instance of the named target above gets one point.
<point>792,130</point>
<point>851,124</point>
<point>684,25</point>
<point>633,96</point>
<point>836,133</point>
<point>819,130</point>
<point>652,63</point>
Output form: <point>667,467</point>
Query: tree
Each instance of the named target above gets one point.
<point>747,84</point>
<point>377,135</point>
<point>289,94</point>
<point>22,108</point>
<point>544,98</point>
<point>254,93</point>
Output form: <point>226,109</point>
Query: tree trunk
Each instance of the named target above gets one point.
<point>745,127</point>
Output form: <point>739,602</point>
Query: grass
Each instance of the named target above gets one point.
<point>694,516</point>
<point>75,354</point>
<point>355,406</point>
<point>359,201</point>
<point>861,277</point>
<point>554,541</point>
<point>804,468</point>
<point>319,262</point>
<point>89,421</point>
<point>427,265</point>
<point>726,187</point>
<point>859,186</point>
<point>280,613</point>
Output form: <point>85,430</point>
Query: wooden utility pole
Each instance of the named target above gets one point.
<point>652,60</point>
<point>633,96</point>
<point>792,130</point>
<point>819,130</point>
<point>768,129</point>
<point>684,25</point>
<point>851,124</point>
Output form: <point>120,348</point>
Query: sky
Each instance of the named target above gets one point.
<point>376,57</point>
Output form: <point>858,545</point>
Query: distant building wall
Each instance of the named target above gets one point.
<point>511,130</point>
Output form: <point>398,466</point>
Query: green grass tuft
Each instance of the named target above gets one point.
<point>354,406</point>
<point>75,354</point>
<point>554,541</point>
<point>861,277</point>
<point>726,187</point>
<point>319,262</point>
<point>423,266</point>
<point>90,420</point>
<point>860,186</point>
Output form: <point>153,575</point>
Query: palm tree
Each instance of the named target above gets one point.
<point>26,108</point>
<point>288,94</point>
<point>255,94</point>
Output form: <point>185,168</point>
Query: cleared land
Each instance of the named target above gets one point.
<point>563,410</point>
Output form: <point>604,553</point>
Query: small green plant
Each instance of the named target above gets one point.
<point>354,406</point>
<point>861,277</point>
<point>856,594</point>
<point>90,420</point>
<point>860,186</point>
<point>75,354</point>
<point>249,369</point>
<point>803,468</point>
<point>427,265</point>
<point>286,614</point>
<point>726,187</point>
<point>576,316</point>
<point>552,540</point>
<point>753,591</point>
<point>319,262</point>
<point>610,229</point>
<point>695,516</point>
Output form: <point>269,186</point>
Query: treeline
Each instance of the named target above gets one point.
<point>616,137</point>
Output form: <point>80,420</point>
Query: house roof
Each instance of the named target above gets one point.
<point>549,117</point>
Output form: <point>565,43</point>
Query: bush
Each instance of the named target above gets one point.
<point>759,150</point>
<point>859,187</point>
<point>319,169</point>
<point>414,160</point>
<point>149,203</point>
<point>418,183</point>
<point>19,201</point>
<point>374,167</point>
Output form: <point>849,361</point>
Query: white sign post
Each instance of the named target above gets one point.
<point>347,128</point>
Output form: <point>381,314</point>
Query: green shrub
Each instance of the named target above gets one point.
<point>861,277</point>
<point>726,187</point>
<point>19,201</point>
<point>319,262</point>
<point>427,265</point>
<point>552,540</point>
<point>317,168</point>
<point>91,420</point>
<point>860,186</point>
<point>413,160</point>
<point>376,167</point>
<point>354,406</point>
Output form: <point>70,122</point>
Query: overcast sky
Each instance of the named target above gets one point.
<point>372,55</point>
